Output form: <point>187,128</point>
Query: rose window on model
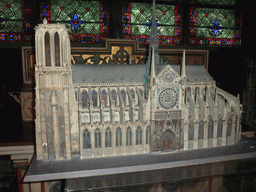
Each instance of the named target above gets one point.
<point>168,76</point>
<point>168,98</point>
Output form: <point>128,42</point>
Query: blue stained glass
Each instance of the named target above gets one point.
<point>216,27</point>
<point>75,22</point>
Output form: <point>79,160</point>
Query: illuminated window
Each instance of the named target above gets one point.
<point>87,20</point>
<point>15,20</point>
<point>137,22</point>
<point>215,27</point>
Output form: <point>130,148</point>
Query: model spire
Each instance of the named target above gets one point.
<point>183,67</point>
<point>153,36</point>
<point>153,47</point>
<point>153,73</point>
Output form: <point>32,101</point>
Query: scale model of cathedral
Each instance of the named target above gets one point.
<point>90,111</point>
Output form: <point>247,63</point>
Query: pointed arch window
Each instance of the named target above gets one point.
<point>113,95</point>
<point>118,137</point>
<point>148,134</point>
<point>47,49</point>
<point>229,126</point>
<point>108,138</point>
<point>123,95</point>
<point>132,93</point>
<point>128,136</point>
<point>87,20</point>
<point>139,136</point>
<point>86,139</point>
<point>215,27</point>
<point>137,20</point>
<point>104,97</point>
<point>201,130</point>
<point>191,132</point>
<point>220,128</point>
<point>97,138</point>
<point>94,97</point>
<point>57,49</point>
<point>85,99</point>
<point>141,92</point>
<point>210,129</point>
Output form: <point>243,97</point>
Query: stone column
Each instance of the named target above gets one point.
<point>196,128</point>
<point>224,133</point>
<point>55,126</point>
<point>233,130</point>
<point>67,124</point>
<point>205,144</point>
<point>92,134</point>
<point>215,128</point>
<point>185,136</point>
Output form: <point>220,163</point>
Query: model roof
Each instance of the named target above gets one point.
<point>131,73</point>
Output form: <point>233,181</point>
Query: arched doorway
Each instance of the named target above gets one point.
<point>168,140</point>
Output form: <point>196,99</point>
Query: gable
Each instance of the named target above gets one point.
<point>168,75</point>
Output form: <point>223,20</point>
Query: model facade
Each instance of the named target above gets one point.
<point>90,111</point>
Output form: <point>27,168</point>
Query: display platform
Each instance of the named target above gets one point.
<point>146,168</point>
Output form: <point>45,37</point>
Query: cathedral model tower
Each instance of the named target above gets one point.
<point>87,111</point>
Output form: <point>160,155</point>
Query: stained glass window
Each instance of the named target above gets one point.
<point>15,20</point>
<point>215,2</point>
<point>214,27</point>
<point>137,22</point>
<point>87,20</point>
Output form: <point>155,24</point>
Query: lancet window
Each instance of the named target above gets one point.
<point>123,94</point>
<point>220,128</point>
<point>139,136</point>
<point>118,137</point>
<point>201,130</point>
<point>128,136</point>
<point>191,131</point>
<point>94,97</point>
<point>104,97</point>
<point>210,129</point>
<point>47,49</point>
<point>86,139</point>
<point>108,138</point>
<point>113,95</point>
<point>229,126</point>
<point>57,49</point>
<point>97,138</point>
<point>85,99</point>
